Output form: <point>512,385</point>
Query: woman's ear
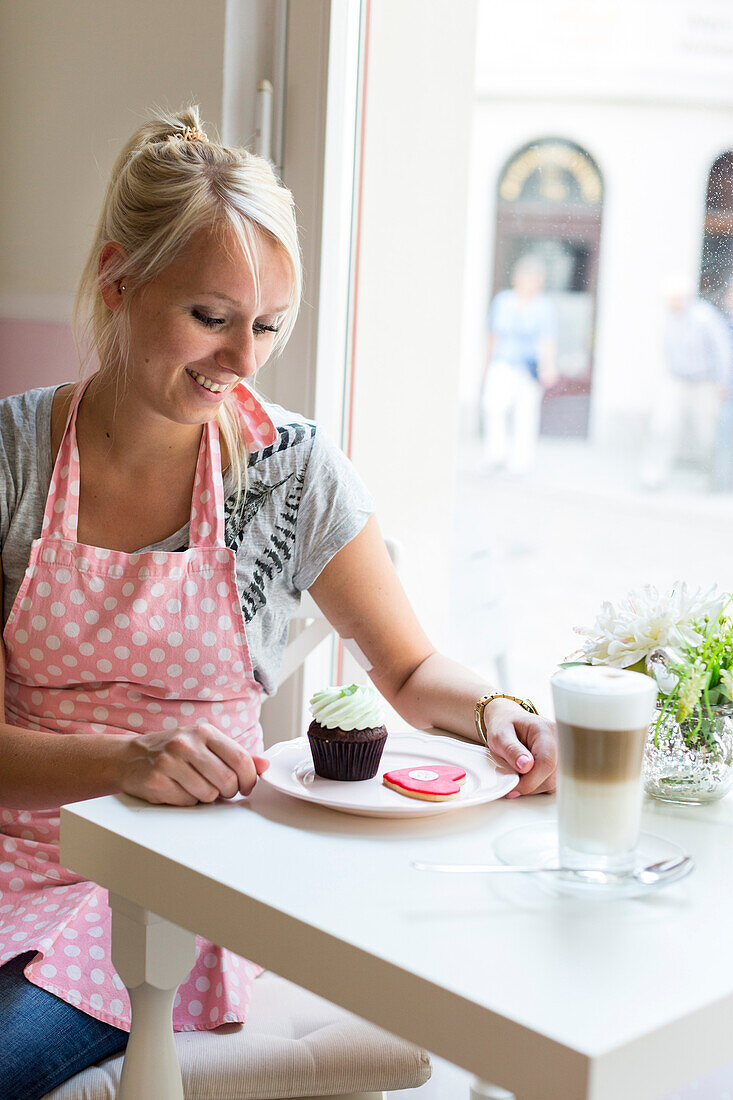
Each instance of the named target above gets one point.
<point>112,289</point>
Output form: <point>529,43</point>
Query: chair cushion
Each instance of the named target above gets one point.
<point>293,1044</point>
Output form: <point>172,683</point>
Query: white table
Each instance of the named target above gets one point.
<point>553,997</point>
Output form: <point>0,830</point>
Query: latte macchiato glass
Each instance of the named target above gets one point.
<point>602,716</point>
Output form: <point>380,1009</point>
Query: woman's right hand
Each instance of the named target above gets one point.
<point>188,765</point>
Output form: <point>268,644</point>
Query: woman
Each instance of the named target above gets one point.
<point>146,591</point>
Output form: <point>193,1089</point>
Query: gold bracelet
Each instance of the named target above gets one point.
<point>481,705</point>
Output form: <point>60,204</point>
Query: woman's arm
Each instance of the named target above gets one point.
<point>360,594</point>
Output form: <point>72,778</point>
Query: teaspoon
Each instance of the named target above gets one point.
<point>666,870</point>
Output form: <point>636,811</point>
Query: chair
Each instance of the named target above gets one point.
<point>294,1044</point>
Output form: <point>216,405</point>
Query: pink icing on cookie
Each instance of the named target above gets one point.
<point>432,779</point>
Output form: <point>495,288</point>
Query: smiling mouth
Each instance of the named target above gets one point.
<point>206,383</point>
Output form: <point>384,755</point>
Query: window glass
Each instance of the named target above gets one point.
<point>596,450</point>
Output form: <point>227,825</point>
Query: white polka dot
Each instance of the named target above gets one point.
<point>173,606</point>
<point>202,984</point>
<point>104,665</point>
<point>101,714</point>
<point>97,976</point>
<point>74,997</point>
<point>73,972</point>
<point>16,884</point>
<point>43,588</point>
<point>139,669</point>
<point>122,621</point>
<point>86,649</point>
<point>208,669</point>
<point>157,622</point>
<point>135,719</point>
<point>38,622</point>
<point>192,655</point>
<point>169,723</point>
<point>139,638</point>
<point>174,671</point>
<point>48,971</point>
<point>195,1008</point>
<point>208,638</point>
<point>57,610</point>
<point>160,557</point>
<point>157,589</point>
<point>143,573</point>
<point>104,635</point>
<point>96,1001</point>
<point>225,654</point>
<point>222,588</point>
<point>157,655</point>
<point>71,630</point>
<point>72,950</point>
<point>96,952</point>
<point>110,603</point>
<point>116,1007</point>
<point>96,584</point>
<point>101,552</point>
<point>91,617</point>
<point>190,683</point>
<point>208,605</point>
<point>77,596</point>
<point>210,960</point>
<point>224,622</point>
<point>214,1014</point>
<point>187,708</point>
<point>96,932</point>
<point>233,997</point>
<point>174,638</point>
<point>21,636</point>
<point>37,655</point>
<point>122,652</point>
<point>66,706</point>
<point>139,606</point>
<point>191,622</point>
<point>128,588</point>
<point>154,708</point>
<point>190,588</point>
<point>117,982</point>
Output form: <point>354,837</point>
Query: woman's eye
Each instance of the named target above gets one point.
<point>205,319</point>
<point>258,328</point>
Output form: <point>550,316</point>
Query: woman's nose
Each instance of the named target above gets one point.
<point>239,354</point>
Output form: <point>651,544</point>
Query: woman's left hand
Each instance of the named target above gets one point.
<point>526,742</point>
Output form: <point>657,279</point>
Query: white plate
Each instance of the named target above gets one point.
<point>291,771</point>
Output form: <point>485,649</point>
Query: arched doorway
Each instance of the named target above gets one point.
<point>549,205</point>
<point>716,268</point>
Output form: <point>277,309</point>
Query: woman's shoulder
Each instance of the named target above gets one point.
<point>22,415</point>
<point>295,435</point>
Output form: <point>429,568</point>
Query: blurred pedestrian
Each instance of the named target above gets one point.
<point>520,364</point>
<point>696,348</point>
<point>723,450</point>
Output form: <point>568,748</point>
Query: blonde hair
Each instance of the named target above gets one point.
<point>164,187</point>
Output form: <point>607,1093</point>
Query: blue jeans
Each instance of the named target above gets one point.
<point>44,1040</point>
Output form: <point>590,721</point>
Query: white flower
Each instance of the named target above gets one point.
<point>644,621</point>
<point>726,679</point>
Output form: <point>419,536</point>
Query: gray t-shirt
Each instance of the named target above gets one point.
<point>305,501</point>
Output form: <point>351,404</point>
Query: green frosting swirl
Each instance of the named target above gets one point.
<point>347,708</point>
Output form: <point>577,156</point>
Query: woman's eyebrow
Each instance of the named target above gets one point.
<point>233,301</point>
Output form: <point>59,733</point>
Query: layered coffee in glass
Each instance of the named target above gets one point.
<point>603,715</point>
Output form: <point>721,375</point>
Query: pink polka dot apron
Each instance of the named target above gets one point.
<point>104,642</point>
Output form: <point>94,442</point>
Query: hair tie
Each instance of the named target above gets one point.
<point>192,133</point>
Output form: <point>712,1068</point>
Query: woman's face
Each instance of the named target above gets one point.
<point>198,329</point>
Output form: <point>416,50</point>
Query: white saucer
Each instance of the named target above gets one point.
<point>536,845</point>
<point>291,771</point>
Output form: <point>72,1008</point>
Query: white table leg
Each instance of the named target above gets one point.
<point>152,957</point>
<point>482,1090</point>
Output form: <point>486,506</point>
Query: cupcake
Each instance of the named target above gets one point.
<point>347,734</point>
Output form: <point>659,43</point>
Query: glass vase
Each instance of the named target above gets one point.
<point>684,763</point>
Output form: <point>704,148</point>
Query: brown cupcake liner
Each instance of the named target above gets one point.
<point>347,761</point>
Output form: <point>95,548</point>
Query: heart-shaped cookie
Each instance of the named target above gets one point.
<point>430,782</point>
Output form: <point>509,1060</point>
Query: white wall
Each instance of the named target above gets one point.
<point>409,304</point>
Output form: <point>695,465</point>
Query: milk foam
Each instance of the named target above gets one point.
<point>603,698</point>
